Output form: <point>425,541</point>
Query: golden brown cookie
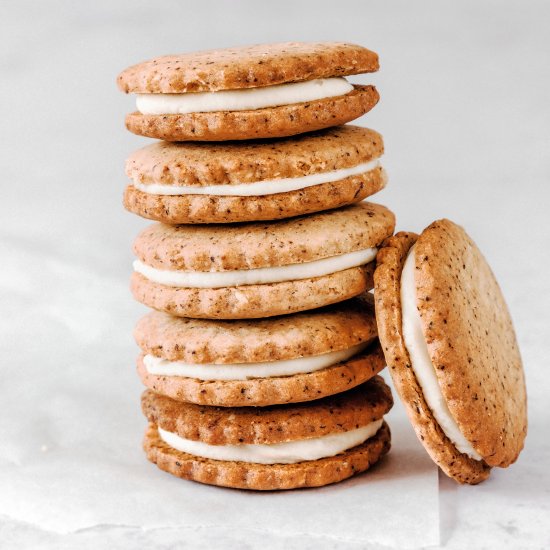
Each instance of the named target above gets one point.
<point>271,361</point>
<point>261,477</point>
<point>246,67</point>
<point>194,182</point>
<point>253,301</point>
<point>259,269</point>
<point>345,433</point>
<point>269,122</point>
<point>269,425</point>
<point>468,338</point>
<point>209,75</point>
<point>261,392</point>
<point>328,329</point>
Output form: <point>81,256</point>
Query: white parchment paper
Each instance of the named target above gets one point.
<point>71,426</point>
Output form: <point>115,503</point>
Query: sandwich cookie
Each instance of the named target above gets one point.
<point>452,351</point>
<point>178,183</point>
<point>259,269</point>
<point>286,359</point>
<point>279,447</point>
<point>262,91</point>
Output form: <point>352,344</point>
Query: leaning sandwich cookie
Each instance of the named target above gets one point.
<point>451,350</point>
<point>190,182</point>
<point>288,359</point>
<point>278,447</point>
<point>262,91</point>
<point>255,270</point>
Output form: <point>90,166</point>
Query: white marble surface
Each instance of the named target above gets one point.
<point>465,115</point>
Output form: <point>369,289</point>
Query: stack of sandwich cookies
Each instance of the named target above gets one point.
<point>452,351</point>
<point>263,91</point>
<point>258,270</point>
<point>178,183</point>
<point>261,353</point>
<point>276,447</point>
<point>272,361</point>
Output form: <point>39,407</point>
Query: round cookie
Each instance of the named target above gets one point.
<point>259,269</point>
<point>246,73</point>
<point>261,435</point>
<point>288,359</point>
<point>191,182</point>
<point>466,359</point>
<point>269,122</point>
<point>246,67</point>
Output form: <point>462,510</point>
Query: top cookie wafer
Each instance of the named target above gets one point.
<point>452,351</point>
<point>246,67</point>
<point>271,90</point>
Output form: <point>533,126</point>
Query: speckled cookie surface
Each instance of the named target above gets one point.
<point>261,392</point>
<point>268,425</point>
<point>200,164</point>
<point>390,261</point>
<point>258,245</point>
<point>261,477</point>
<point>253,301</point>
<point>269,122</point>
<point>199,209</point>
<point>246,67</point>
<point>325,330</point>
<point>306,334</point>
<point>471,341</point>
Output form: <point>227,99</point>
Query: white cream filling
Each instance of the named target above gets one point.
<point>258,188</point>
<point>278,453</point>
<point>421,362</point>
<point>262,275</point>
<point>245,371</point>
<point>244,99</point>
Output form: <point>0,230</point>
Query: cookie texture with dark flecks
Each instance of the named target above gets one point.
<point>333,328</point>
<point>390,260</point>
<point>308,334</point>
<point>261,392</point>
<point>266,477</point>
<point>199,209</point>
<point>196,164</point>
<point>253,301</point>
<point>268,122</point>
<point>246,67</point>
<point>471,341</point>
<point>268,425</point>
<point>201,164</point>
<point>269,244</point>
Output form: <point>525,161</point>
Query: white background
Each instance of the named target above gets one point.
<point>465,113</point>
